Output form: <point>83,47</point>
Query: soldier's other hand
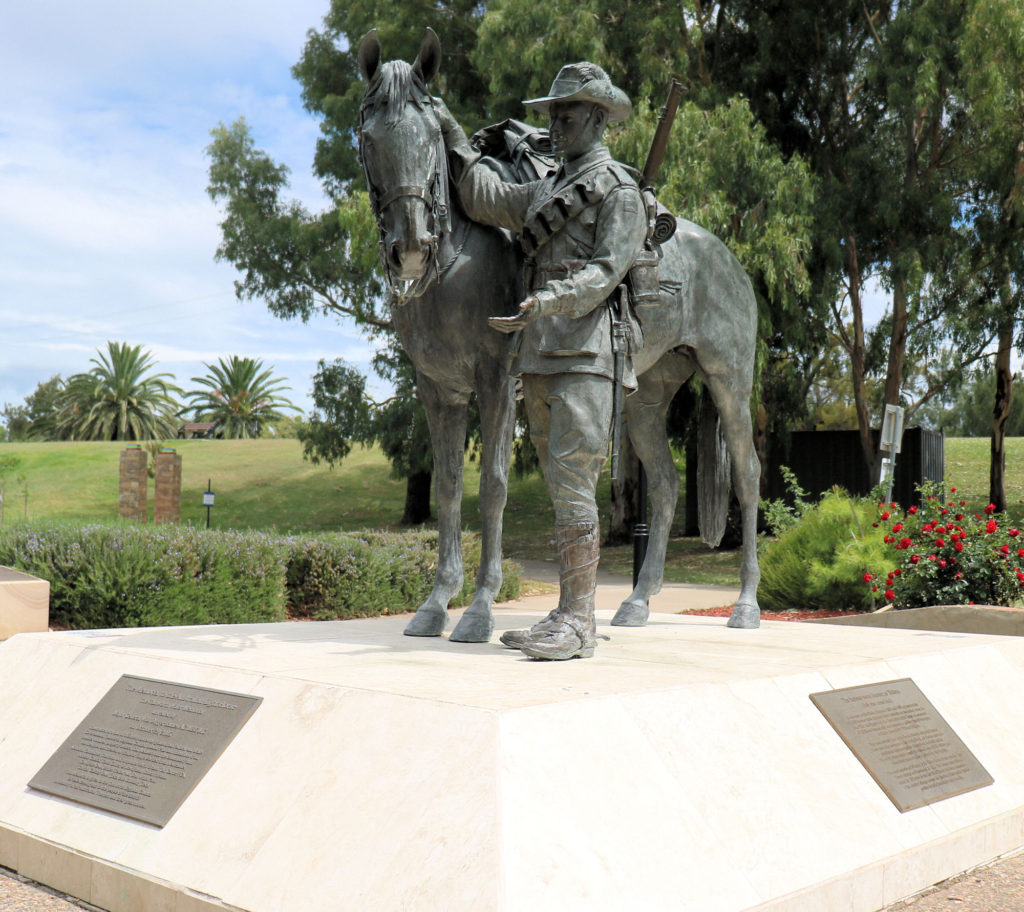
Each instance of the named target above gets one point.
<point>517,321</point>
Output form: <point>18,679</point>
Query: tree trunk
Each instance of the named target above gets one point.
<point>1000,413</point>
<point>625,512</point>
<point>417,499</point>
<point>858,370</point>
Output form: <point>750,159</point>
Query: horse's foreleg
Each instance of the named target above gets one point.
<point>446,416</point>
<point>646,414</point>
<point>734,413</point>
<point>496,403</point>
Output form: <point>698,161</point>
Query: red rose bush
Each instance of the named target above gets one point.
<point>946,556</point>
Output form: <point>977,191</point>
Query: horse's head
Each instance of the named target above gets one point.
<point>403,157</point>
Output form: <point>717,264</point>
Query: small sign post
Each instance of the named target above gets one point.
<point>208,501</point>
<point>890,442</point>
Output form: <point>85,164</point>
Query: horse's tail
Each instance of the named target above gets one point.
<point>714,473</point>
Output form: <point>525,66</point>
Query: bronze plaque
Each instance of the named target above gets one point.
<point>903,742</point>
<point>144,747</point>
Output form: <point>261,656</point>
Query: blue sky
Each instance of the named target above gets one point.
<point>106,231</point>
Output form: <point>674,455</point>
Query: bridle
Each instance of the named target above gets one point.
<point>435,194</point>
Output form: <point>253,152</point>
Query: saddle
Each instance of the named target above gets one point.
<point>518,152</point>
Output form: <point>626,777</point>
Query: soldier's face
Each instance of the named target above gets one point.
<point>575,128</point>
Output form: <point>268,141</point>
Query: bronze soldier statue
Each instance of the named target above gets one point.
<point>581,230</point>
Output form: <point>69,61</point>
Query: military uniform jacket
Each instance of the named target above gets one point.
<point>581,230</point>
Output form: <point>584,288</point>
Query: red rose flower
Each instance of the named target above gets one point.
<point>990,509</point>
<point>914,558</point>
<point>1005,549</point>
<point>991,526</point>
<point>868,577</point>
<point>912,511</point>
<point>889,595</point>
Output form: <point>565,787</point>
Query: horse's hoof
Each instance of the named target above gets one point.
<point>427,623</point>
<point>746,617</point>
<point>631,614</point>
<point>473,628</point>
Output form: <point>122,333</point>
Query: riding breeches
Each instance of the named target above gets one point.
<point>570,419</point>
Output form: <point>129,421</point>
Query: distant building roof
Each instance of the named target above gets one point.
<point>193,430</point>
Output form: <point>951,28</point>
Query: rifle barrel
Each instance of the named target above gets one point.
<point>660,142</point>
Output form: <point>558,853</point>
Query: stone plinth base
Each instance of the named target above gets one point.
<point>24,603</point>
<point>682,768</point>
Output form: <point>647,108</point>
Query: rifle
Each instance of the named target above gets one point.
<point>659,144</point>
<point>655,158</point>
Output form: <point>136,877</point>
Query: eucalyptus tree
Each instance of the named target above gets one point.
<point>241,396</point>
<point>885,99</point>
<point>992,49</point>
<point>118,399</point>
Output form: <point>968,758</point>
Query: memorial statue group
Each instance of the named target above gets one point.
<point>580,230</point>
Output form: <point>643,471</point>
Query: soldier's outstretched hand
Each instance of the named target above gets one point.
<point>516,321</point>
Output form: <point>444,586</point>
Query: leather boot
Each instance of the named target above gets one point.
<point>571,632</point>
<point>514,639</point>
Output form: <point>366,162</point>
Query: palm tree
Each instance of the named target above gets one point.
<point>240,396</point>
<point>117,400</point>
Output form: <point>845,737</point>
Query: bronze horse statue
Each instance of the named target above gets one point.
<point>449,274</point>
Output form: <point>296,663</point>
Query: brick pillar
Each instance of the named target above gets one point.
<point>133,484</point>
<point>167,488</point>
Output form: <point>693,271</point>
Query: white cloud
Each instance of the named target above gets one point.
<point>106,231</point>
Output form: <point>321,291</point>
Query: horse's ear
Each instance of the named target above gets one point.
<point>369,55</point>
<point>428,60</point>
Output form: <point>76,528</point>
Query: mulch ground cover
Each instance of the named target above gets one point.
<point>794,614</point>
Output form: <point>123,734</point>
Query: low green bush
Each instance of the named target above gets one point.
<point>370,573</point>
<point>821,558</point>
<point>139,576</point>
<point>127,575</point>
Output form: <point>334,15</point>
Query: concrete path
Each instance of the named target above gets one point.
<point>20,895</point>
<point>998,887</point>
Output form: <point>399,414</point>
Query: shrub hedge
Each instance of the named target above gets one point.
<point>127,575</point>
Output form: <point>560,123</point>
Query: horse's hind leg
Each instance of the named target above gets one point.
<point>496,402</point>
<point>446,415</point>
<point>733,403</point>
<point>646,413</point>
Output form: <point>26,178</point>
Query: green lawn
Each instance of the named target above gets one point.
<point>265,484</point>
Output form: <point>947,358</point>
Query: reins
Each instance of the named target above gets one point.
<point>434,194</point>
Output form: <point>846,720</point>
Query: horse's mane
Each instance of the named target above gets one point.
<point>395,85</point>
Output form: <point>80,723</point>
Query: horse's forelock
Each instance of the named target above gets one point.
<point>394,87</point>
